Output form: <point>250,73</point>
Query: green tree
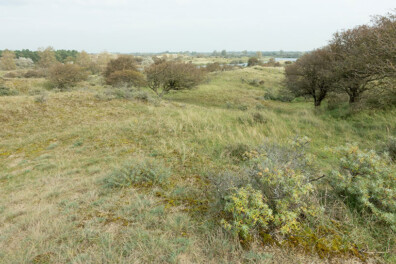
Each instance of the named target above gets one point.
<point>365,57</point>
<point>311,75</point>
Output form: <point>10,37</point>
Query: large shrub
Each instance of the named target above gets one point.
<point>66,75</point>
<point>253,61</point>
<point>164,76</point>
<point>123,71</point>
<point>367,182</point>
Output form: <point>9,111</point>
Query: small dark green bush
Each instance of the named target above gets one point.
<point>35,74</point>
<point>14,74</point>
<point>144,173</point>
<point>255,82</point>
<point>237,151</point>
<point>366,182</point>
<point>5,91</point>
<point>391,148</point>
<point>124,93</point>
<point>243,107</point>
<point>259,118</point>
<point>260,107</point>
<point>281,95</point>
<point>255,118</point>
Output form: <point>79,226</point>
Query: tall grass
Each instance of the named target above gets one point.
<point>53,154</point>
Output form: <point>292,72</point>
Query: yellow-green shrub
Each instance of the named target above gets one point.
<point>272,193</point>
<point>367,182</point>
<point>248,211</point>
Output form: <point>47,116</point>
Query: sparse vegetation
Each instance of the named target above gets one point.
<point>240,169</point>
<point>138,173</point>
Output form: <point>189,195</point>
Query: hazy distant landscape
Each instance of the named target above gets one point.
<point>222,156</point>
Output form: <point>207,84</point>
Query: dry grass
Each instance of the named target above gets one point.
<point>54,155</point>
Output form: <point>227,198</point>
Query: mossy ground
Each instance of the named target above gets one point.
<point>54,154</point>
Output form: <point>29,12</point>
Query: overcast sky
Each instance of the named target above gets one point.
<point>180,25</point>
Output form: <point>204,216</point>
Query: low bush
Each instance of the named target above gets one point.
<point>213,67</point>
<point>242,107</point>
<point>282,95</point>
<point>125,93</point>
<point>13,74</point>
<point>366,182</point>
<point>5,91</point>
<point>248,212</point>
<point>259,118</point>
<point>253,82</point>
<point>146,172</point>
<point>41,98</point>
<point>125,77</point>
<point>255,118</point>
<point>237,151</point>
<point>391,148</point>
<point>35,74</point>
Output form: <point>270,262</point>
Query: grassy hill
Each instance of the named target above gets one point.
<point>58,150</point>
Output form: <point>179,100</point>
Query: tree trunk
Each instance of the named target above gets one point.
<point>354,95</point>
<point>353,98</point>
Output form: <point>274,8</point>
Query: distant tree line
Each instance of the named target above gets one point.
<point>359,63</point>
<point>229,54</point>
<point>60,55</point>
